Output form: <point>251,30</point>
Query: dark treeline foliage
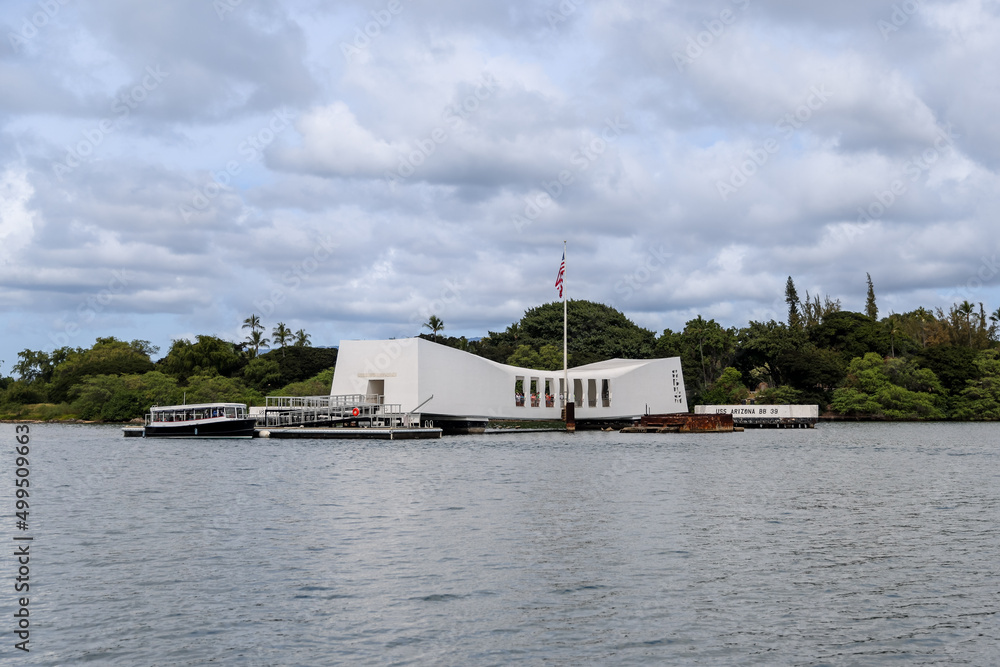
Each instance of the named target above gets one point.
<point>917,365</point>
<point>117,381</point>
<point>596,333</point>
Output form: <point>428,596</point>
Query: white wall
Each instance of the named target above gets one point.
<point>466,385</point>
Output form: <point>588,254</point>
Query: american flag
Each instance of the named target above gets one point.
<point>559,278</point>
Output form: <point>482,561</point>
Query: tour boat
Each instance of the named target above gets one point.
<point>204,420</point>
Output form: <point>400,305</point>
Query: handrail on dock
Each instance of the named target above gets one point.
<point>334,409</point>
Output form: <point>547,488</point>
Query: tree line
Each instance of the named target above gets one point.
<point>922,364</point>
<point>115,380</point>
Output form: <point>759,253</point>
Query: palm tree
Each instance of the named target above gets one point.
<point>967,309</point>
<point>995,319</point>
<point>257,341</point>
<point>435,324</point>
<point>301,338</point>
<point>252,323</point>
<point>282,335</point>
<point>893,326</point>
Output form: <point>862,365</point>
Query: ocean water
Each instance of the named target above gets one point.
<point>848,544</point>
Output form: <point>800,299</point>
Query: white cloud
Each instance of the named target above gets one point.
<point>514,103</point>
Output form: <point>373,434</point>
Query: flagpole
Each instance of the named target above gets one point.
<point>565,370</point>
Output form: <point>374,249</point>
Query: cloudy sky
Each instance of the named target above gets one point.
<point>350,168</point>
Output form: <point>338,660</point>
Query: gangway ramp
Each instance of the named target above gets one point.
<point>335,410</point>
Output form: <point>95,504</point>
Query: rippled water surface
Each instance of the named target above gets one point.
<point>847,544</point>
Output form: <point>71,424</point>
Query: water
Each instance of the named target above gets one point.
<point>850,544</point>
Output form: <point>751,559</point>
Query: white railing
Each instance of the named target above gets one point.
<point>363,409</point>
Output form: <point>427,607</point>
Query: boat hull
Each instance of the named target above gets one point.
<point>229,428</point>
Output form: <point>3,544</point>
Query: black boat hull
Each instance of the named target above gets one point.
<point>230,428</point>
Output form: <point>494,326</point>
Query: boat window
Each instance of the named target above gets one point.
<point>231,412</point>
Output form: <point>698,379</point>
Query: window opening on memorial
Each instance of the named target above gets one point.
<point>592,393</point>
<point>606,393</point>
<point>549,395</point>
<point>534,392</point>
<point>577,396</point>
<point>519,391</point>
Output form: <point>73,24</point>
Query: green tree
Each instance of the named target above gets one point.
<point>953,365</point>
<point>301,338</point>
<point>33,366</point>
<point>435,324</point>
<point>967,309</point>
<point>300,363</point>
<point>218,389</point>
<point>123,397</point>
<point>980,399</point>
<point>548,358</point>
<point>892,388</point>
<point>207,354</point>
<point>262,374</point>
<point>871,310</point>
<point>995,326</point>
<point>596,333</point>
<point>282,335</point>
<point>792,299</point>
<point>764,350</point>
<point>851,335</point>
<point>728,389</point>
<point>317,385</point>
<point>252,323</point>
<point>256,340</point>
<point>779,396</point>
<point>108,356</point>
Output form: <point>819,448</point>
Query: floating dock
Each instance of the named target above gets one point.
<point>349,433</point>
<point>338,433</point>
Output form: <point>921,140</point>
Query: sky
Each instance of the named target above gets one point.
<point>351,168</point>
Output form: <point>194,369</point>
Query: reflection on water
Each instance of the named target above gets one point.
<point>847,544</point>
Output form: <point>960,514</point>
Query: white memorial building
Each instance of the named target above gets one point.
<point>445,384</point>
